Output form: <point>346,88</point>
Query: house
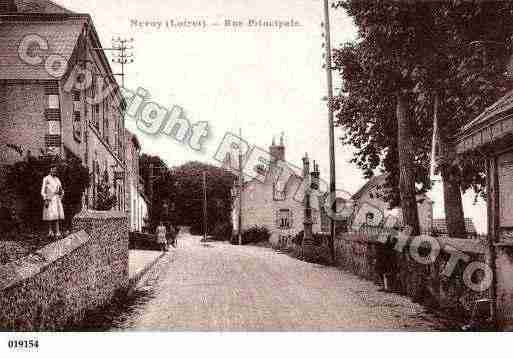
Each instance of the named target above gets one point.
<point>136,200</point>
<point>440,227</point>
<point>371,208</point>
<point>490,136</point>
<point>51,67</point>
<point>277,203</point>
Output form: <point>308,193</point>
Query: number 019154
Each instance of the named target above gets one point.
<point>23,344</point>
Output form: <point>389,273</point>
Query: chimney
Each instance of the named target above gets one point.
<point>277,151</point>
<point>315,176</point>
<point>306,166</point>
<point>8,7</point>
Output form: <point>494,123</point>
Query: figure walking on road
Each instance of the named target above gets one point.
<point>52,194</point>
<point>161,236</point>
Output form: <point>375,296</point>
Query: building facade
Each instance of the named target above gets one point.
<point>490,137</point>
<point>277,203</point>
<point>371,208</point>
<point>137,203</point>
<point>53,99</point>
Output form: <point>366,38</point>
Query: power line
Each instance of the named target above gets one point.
<point>121,46</point>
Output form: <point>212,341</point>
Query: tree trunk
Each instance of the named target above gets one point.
<point>406,171</point>
<point>453,206</point>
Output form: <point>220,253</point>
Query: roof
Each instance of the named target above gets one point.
<point>504,104</point>
<point>440,225</point>
<point>493,125</point>
<point>377,180</point>
<point>372,182</point>
<point>40,6</point>
<point>62,36</point>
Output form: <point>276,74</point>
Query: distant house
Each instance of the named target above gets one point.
<point>137,202</point>
<point>277,203</point>
<point>343,214</point>
<point>372,209</point>
<point>440,227</point>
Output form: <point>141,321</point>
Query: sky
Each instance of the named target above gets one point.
<point>262,80</point>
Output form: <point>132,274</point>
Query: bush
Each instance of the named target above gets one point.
<point>255,234</point>
<point>321,238</point>
<point>298,238</point>
<point>105,200</point>
<point>222,231</point>
<point>24,179</point>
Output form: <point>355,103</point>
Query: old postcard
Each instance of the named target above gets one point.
<point>255,166</point>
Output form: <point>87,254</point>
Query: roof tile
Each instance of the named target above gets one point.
<point>62,36</point>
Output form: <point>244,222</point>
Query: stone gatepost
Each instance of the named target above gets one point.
<point>306,245</point>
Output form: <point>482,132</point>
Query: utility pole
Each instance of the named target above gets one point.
<point>329,76</point>
<point>204,206</point>
<point>122,57</point>
<point>241,182</point>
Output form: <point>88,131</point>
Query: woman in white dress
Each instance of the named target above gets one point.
<point>52,194</point>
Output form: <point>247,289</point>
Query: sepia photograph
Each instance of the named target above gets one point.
<point>238,171</point>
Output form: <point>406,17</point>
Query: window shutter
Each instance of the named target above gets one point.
<point>506,189</point>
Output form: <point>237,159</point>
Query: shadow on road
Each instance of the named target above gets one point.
<point>112,315</point>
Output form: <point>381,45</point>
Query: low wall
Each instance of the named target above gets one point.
<point>56,286</point>
<point>365,256</point>
<point>425,283</point>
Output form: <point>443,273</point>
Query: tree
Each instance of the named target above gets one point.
<point>153,170</point>
<point>179,196</point>
<point>389,46</point>
<point>420,48</point>
<point>105,200</point>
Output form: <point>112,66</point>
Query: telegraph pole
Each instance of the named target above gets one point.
<point>329,77</point>
<point>241,182</point>
<point>204,206</point>
<point>122,57</point>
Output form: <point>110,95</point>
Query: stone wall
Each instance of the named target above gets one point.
<point>56,286</point>
<point>365,256</point>
<point>425,283</point>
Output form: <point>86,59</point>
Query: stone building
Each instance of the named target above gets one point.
<point>136,201</point>
<point>278,202</point>
<point>51,102</point>
<point>371,207</point>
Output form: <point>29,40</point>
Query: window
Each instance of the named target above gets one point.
<point>75,95</point>
<point>284,219</point>
<point>315,216</point>
<point>76,117</point>
<point>115,133</point>
<point>505,174</point>
<point>53,101</point>
<point>106,122</point>
<point>96,116</point>
<point>77,126</point>
<point>369,218</point>
<point>54,128</point>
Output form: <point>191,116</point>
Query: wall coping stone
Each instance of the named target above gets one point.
<point>33,264</point>
<point>448,244</point>
<point>92,214</point>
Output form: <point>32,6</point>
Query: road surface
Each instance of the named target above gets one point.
<point>221,287</point>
